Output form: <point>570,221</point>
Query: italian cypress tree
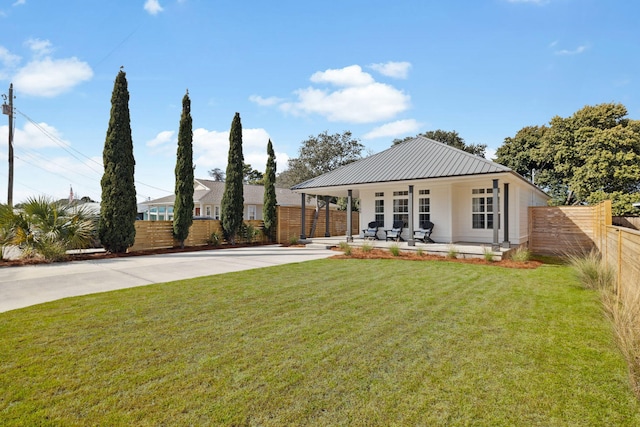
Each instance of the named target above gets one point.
<point>232,205</point>
<point>183,207</point>
<point>269,202</point>
<point>118,208</point>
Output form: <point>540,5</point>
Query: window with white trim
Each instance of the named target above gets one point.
<point>251,211</point>
<point>208,211</point>
<point>482,208</point>
<point>401,206</point>
<point>379,209</point>
<point>216,212</point>
<point>424,208</point>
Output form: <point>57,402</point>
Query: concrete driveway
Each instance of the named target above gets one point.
<point>30,285</point>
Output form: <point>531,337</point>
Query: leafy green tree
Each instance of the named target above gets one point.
<point>183,207</point>
<point>46,228</point>
<point>320,154</point>
<point>232,205</point>
<point>595,153</point>
<point>269,201</point>
<point>118,209</point>
<point>252,176</point>
<point>217,174</point>
<point>451,138</point>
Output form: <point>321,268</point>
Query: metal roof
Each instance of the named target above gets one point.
<point>418,158</point>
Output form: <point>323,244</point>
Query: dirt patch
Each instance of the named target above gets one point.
<point>358,253</point>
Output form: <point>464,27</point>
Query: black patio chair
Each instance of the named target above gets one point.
<point>424,232</point>
<point>371,232</point>
<point>396,231</point>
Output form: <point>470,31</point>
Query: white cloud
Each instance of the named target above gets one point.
<point>49,77</point>
<point>265,102</point>
<point>396,128</point>
<point>153,7</point>
<point>32,136</point>
<point>398,70</point>
<point>8,59</point>
<point>347,76</point>
<point>19,2</point>
<point>211,149</point>
<point>39,47</point>
<point>576,51</point>
<point>163,138</point>
<point>358,104</point>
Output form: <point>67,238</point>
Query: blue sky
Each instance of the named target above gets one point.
<point>383,70</point>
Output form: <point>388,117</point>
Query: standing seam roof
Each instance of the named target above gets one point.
<point>417,158</point>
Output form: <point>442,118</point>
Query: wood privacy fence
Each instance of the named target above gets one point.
<point>159,234</point>
<point>578,229</point>
<point>289,223</point>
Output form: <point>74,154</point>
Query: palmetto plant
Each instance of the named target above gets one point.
<point>45,228</point>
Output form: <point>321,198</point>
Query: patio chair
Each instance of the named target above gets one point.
<point>424,232</point>
<point>395,231</point>
<point>371,232</point>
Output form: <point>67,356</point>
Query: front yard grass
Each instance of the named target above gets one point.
<point>329,342</point>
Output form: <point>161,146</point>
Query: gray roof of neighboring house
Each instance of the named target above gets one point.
<point>253,195</point>
<point>418,158</point>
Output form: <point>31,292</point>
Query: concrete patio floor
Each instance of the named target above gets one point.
<point>463,249</point>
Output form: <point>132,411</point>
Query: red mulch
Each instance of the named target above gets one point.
<point>357,253</point>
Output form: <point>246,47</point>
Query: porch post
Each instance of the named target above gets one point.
<point>349,198</point>
<point>303,214</point>
<point>496,222</point>
<point>327,233</point>
<point>505,215</point>
<point>410,241</point>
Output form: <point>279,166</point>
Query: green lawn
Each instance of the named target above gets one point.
<point>330,342</point>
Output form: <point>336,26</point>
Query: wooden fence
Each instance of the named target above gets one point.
<point>289,223</point>
<point>159,234</point>
<point>560,230</point>
<point>627,221</point>
<point>578,229</point>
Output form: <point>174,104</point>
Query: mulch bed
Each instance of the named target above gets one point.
<point>358,253</point>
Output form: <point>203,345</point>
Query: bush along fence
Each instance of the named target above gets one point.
<point>159,234</point>
<point>565,230</point>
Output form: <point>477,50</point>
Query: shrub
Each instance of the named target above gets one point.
<point>346,248</point>
<point>395,250</point>
<point>452,252</point>
<point>293,240</point>
<point>488,254</point>
<point>367,247</point>
<point>521,254</point>
<point>420,252</point>
<point>215,239</point>
<point>592,271</point>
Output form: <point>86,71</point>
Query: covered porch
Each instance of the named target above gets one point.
<point>460,249</point>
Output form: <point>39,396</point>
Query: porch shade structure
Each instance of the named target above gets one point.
<point>422,162</point>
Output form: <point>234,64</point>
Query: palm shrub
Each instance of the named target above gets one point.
<point>45,228</point>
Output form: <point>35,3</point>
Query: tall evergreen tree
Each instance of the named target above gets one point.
<point>232,205</point>
<point>269,202</point>
<point>118,208</point>
<point>183,207</point>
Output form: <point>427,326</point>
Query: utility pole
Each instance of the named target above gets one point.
<point>8,110</point>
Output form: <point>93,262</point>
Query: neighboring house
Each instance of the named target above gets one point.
<point>207,197</point>
<point>422,179</point>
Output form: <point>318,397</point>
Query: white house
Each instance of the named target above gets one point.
<point>207,198</point>
<point>421,180</point>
